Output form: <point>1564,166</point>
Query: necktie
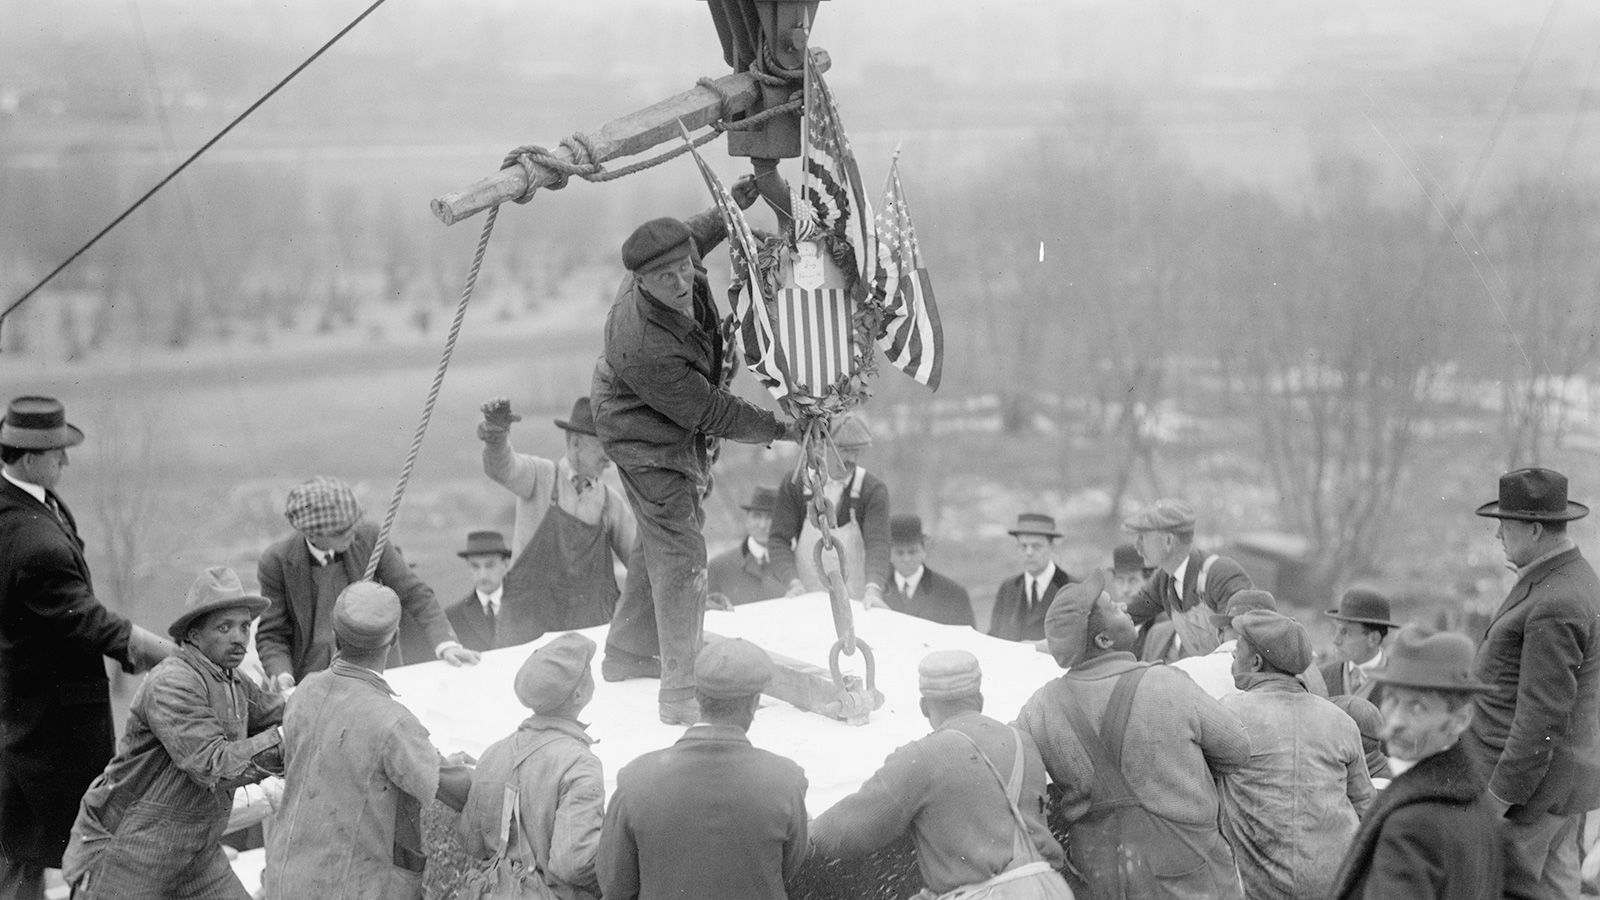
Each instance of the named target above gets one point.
<point>1033,593</point>
<point>55,508</point>
<point>1357,678</point>
<point>905,587</point>
<point>488,613</point>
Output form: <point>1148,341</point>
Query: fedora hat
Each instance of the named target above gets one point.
<point>1364,606</point>
<point>38,423</point>
<point>1533,495</point>
<point>762,499</point>
<point>582,419</point>
<point>484,543</point>
<point>1441,661</point>
<point>1035,523</point>
<point>217,588</point>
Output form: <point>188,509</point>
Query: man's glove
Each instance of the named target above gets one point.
<point>146,648</point>
<point>745,191</point>
<point>497,419</point>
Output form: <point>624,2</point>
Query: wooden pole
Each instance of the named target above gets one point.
<point>633,133</point>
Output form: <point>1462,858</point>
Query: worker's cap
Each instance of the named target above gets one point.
<point>949,674</point>
<point>731,668</point>
<point>1066,622</point>
<point>1240,603</point>
<point>322,506</point>
<point>655,242</point>
<point>1166,514</point>
<point>850,432</point>
<point>366,615</point>
<point>1281,641</point>
<point>553,672</point>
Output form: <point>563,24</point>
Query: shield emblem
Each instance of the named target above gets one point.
<point>815,321</point>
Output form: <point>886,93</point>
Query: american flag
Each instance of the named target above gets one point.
<point>762,353</point>
<point>912,338</point>
<point>833,202</point>
<point>817,334</point>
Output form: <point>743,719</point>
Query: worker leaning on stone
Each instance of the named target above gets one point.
<point>151,825</point>
<point>657,402</point>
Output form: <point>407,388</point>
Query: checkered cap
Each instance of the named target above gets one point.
<point>322,506</point>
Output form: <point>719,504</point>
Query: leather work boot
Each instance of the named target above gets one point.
<point>620,666</point>
<point>680,712</point>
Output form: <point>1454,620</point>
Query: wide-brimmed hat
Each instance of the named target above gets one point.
<point>582,419</point>
<point>484,543</point>
<point>1533,495</point>
<point>38,423</point>
<point>1166,514</point>
<point>1441,661</point>
<point>217,588</point>
<point>1248,600</point>
<point>1035,523</point>
<point>1364,606</point>
<point>762,499</point>
<point>906,529</point>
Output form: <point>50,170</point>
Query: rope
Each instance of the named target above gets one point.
<point>433,393</point>
<point>185,164</point>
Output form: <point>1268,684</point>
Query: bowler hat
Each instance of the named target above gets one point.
<point>582,419</point>
<point>1166,514</point>
<point>366,615</point>
<point>762,499</point>
<point>656,241</point>
<point>906,530</point>
<point>1125,560</point>
<point>38,423</point>
<point>553,672</point>
<point>731,668</point>
<point>949,674</point>
<point>1363,606</point>
<point>217,588</point>
<point>1035,523</point>
<point>1066,622</point>
<point>484,543</point>
<point>1241,602</point>
<point>1441,661</point>
<point>1533,495</point>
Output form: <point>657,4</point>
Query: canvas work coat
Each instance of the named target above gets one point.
<point>939,789</point>
<point>1178,740</point>
<point>560,802</point>
<point>151,825</point>
<point>1191,603</point>
<point>710,816</point>
<point>1293,807</point>
<point>1431,835</point>
<point>56,732</point>
<point>358,770</point>
<point>1533,732</point>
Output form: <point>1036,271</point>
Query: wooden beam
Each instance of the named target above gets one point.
<point>631,134</point>
<point>811,688</point>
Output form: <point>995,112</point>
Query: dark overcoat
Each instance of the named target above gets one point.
<point>1333,677</point>
<point>937,599</point>
<point>736,574</point>
<point>471,625</point>
<point>56,732</point>
<point>1430,835</point>
<point>1012,618</point>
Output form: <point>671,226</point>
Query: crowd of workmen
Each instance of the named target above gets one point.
<point>1196,746</point>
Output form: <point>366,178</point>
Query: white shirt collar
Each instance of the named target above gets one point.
<point>1374,663</point>
<point>908,583</point>
<point>491,601</point>
<point>319,555</point>
<point>34,490</point>
<point>756,548</point>
<point>1042,580</point>
<point>1177,574</point>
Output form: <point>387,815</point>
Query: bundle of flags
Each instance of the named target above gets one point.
<point>803,341</point>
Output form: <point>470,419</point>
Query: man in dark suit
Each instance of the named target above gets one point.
<point>1364,622</point>
<point>1188,585</point>
<point>1536,730</point>
<point>745,574</point>
<point>710,816</point>
<point>303,574</point>
<point>474,616</point>
<point>1022,600</point>
<point>917,590</point>
<point>56,732</point>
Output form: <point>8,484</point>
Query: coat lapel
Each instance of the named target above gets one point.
<point>1525,585</point>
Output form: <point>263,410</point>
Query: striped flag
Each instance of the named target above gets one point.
<point>762,352</point>
<point>833,202</point>
<point>816,331</point>
<point>912,338</point>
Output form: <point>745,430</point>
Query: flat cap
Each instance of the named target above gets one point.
<point>1281,641</point>
<point>1166,514</point>
<point>732,668</point>
<point>948,674</point>
<point>551,673</point>
<point>1066,622</point>
<point>322,506</point>
<point>851,432</point>
<point>1240,603</point>
<point>654,242</point>
<point>366,615</point>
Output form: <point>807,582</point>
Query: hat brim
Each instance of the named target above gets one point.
<point>1019,532</point>
<point>575,428</point>
<point>1574,511</point>
<point>1334,614</point>
<point>1463,687</point>
<point>255,603</point>
<point>495,551</point>
<point>62,436</point>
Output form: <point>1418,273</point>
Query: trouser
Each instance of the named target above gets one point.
<point>663,601</point>
<point>21,880</point>
<point>1542,858</point>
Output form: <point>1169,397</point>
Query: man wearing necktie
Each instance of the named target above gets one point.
<point>1364,622</point>
<point>744,573</point>
<point>475,616</point>
<point>56,731</point>
<point>570,531</point>
<point>1188,584</point>
<point>1022,600</point>
<point>918,590</point>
